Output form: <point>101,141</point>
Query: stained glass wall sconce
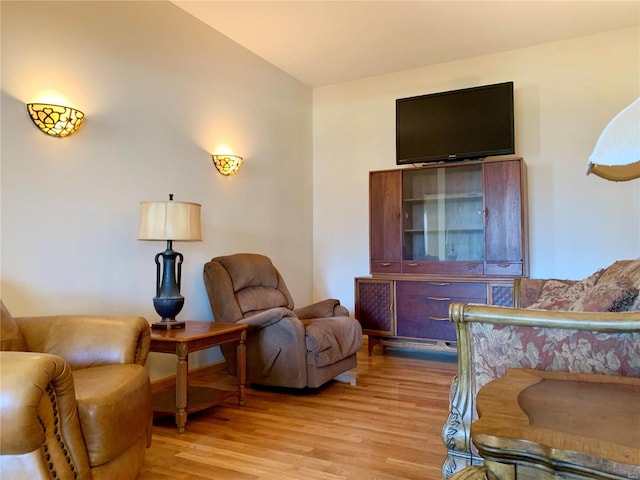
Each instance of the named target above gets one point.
<point>55,120</point>
<point>227,164</point>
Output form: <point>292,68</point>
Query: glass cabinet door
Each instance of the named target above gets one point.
<point>443,214</point>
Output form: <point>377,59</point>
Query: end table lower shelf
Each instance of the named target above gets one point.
<point>198,398</point>
<point>185,399</point>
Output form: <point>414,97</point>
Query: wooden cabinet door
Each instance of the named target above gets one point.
<point>375,306</point>
<point>502,190</point>
<point>385,221</point>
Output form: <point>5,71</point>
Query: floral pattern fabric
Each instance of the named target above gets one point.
<point>498,347</point>
<point>614,288</point>
<point>493,348</point>
<point>587,296</point>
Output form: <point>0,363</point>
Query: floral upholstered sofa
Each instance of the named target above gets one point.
<point>586,326</point>
<point>613,289</point>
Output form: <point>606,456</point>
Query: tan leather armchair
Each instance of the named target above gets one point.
<point>76,398</point>
<point>286,347</point>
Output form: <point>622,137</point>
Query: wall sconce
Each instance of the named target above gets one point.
<point>55,120</point>
<point>227,164</point>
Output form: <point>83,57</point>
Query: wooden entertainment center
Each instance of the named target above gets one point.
<point>441,233</point>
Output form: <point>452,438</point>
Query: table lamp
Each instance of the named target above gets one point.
<point>170,221</point>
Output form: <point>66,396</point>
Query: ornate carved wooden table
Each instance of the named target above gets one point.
<point>547,425</point>
<point>185,399</point>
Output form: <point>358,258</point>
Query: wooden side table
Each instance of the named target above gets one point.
<point>185,399</point>
<point>537,425</point>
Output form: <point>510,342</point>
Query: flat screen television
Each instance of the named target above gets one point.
<point>461,124</point>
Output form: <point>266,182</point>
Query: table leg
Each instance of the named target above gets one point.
<point>182,372</point>
<point>241,366</point>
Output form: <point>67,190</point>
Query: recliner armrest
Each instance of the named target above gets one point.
<point>324,309</point>
<point>267,317</point>
<point>87,341</point>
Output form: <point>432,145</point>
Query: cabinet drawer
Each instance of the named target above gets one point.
<point>504,268</point>
<point>443,268</point>
<point>428,329</point>
<point>430,308</point>
<point>437,308</point>
<point>477,291</point>
<point>423,307</point>
<point>385,267</point>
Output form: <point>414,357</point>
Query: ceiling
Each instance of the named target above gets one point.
<point>332,41</point>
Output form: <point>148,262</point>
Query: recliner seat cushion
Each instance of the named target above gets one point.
<point>332,339</point>
<point>114,408</point>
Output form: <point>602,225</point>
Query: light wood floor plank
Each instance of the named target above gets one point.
<point>385,427</point>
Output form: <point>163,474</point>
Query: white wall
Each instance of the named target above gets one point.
<point>565,93</point>
<point>160,91</point>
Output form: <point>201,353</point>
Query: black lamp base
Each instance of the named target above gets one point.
<point>168,325</point>
<point>168,302</point>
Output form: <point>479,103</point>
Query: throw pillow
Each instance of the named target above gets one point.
<point>552,296</point>
<point>613,296</point>
<point>563,294</point>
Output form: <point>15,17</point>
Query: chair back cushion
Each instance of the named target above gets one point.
<point>244,284</point>
<point>11,338</point>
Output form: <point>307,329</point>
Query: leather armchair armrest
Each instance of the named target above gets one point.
<point>38,407</point>
<point>324,309</point>
<point>86,341</point>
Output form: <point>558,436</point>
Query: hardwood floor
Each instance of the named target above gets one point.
<point>385,427</point>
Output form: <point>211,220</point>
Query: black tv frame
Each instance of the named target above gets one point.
<point>504,92</point>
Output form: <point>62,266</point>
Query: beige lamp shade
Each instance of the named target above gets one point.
<point>616,155</point>
<point>170,220</point>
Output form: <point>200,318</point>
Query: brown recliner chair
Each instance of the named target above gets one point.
<point>76,398</point>
<point>286,347</point>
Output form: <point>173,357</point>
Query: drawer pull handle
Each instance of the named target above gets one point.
<point>439,299</point>
<point>385,264</point>
<point>439,318</point>
<point>412,264</point>
<point>439,284</point>
<point>504,265</point>
<point>472,264</point>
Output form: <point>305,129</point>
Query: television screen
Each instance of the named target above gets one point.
<point>456,125</point>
